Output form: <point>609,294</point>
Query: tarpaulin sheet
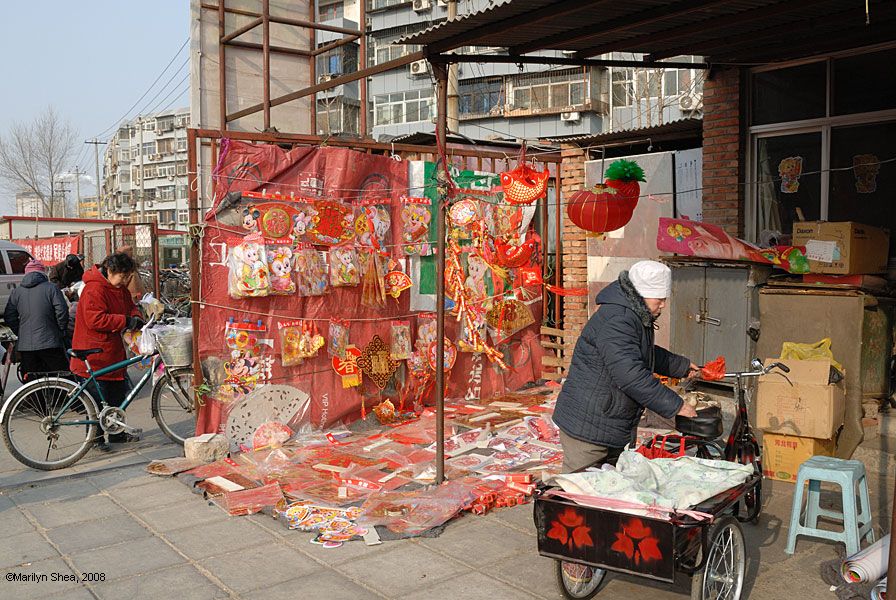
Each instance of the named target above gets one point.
<point>324,173</point>
<point>51,250</point>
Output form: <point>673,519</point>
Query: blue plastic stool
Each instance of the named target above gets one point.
<point>848,474</point>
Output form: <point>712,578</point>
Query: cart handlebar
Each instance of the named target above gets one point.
<point>759,369</point>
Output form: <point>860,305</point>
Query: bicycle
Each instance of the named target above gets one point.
<point>57,416</point>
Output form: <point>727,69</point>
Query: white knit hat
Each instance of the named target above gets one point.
<point>651,279</point>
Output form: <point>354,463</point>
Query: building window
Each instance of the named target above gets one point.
<point>149,148</point>
<point>381,47</point>
<point>403,107</point>
<point>124,154</point>
<point>557,90</point>
<point>623,85</point>
<point>683,82</point>
<point>375,4</point>
<point>335,116</point>
<point>183,216</point>
<point>328,12</point>
<point>481,97</point>
<point>337,61</point>
<point>164,124</point>
<point>819,144</point>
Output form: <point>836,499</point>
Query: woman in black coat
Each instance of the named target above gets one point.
<point>38,314</point>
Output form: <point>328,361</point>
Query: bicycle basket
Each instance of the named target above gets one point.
<point>175,342</point>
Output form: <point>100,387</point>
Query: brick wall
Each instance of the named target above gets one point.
<point>574,248</point>
<point>723,154</point>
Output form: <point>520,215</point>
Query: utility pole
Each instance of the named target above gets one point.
<point>453,90</point>
<point>63,191</point>
<point>142,178</point>
<point>99,187</point>
<point>78,172</point>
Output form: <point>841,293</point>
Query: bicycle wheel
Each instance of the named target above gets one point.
<point>577,581</point>
<point>38,434</point>
<point>172,404</point>
<point>722,577</point>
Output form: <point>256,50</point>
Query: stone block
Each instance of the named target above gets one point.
<point>206,449</point>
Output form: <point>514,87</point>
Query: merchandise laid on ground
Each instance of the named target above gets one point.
<point>377,483</point>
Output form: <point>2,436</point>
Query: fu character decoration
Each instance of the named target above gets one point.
<point>610,205</point>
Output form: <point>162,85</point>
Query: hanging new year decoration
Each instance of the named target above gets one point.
<point>610,205</point>
<point>865,167</point>
<point>376,362</point>
<point>524,185</point>
<point>790,169</point>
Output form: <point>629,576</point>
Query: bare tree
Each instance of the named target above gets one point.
<point>33,156</point>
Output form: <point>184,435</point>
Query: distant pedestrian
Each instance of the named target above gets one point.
<point>38,314</point>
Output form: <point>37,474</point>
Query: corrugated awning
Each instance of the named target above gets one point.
<point>723,31</point>
<point>681,129</point>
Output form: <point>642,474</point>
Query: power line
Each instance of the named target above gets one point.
<point>144,111</point>
<point>149,89</point>
<point>154,109</point>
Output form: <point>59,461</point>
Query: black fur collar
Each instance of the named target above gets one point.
<point>636,302</point>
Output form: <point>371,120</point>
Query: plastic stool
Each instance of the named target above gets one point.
<point>847,474</point>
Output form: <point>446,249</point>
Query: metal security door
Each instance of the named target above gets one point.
<point>686,305</point>
<point>725,317</point>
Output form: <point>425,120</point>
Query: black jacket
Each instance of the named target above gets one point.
<point>37,313</point>
<point>610,380</point>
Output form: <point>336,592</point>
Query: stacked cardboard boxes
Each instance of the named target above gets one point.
<point>800,413</point>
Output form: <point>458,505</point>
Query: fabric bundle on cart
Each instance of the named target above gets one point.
<point>678,483</point>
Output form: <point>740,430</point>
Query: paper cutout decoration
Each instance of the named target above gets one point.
<point>272,433</point>
<point>276,223</point>
<point>338,332</point>
<point>415,218</point>
<point>302,221</point>
<point>507,317</point>
<point>344,266</point>
<point>376,362</point>
<point>298,340</point>
<point>280,262</point>
<point>450,355</point>
<point>790,169</point>
<point>397,282</point>
<point>464,211</point>
<point>248,276</point>
<point>332,224</point>
<point>347,367</point>
<point>866,167</point>
<point>251,215</point>
<point>311,271</point>
<point>524,185</point>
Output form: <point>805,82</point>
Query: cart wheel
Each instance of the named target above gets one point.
<point>577,581</point>
<point>722,576</point>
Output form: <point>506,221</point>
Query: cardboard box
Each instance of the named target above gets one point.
<point>843,248</point>
<point>782,455</point>
<point>801,402</point>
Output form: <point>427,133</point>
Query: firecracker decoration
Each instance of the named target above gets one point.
<point>507,317</point>
<point>373,279</point>
<point>347,367</point>
<point>376,362</point>
<point>608,206</point>
<point>524,185</point>
<point>276,223</point>
<point>457,290</point>
<point>332,225</point>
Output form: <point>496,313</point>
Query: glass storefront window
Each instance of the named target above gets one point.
<point>791,94</point>
<point>863,83</point>
<point>788,178</point>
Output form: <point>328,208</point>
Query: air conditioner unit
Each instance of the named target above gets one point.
<point>691,102</point>
<point>570,117</point>
<point>419,68</point>
<point>421,5</point>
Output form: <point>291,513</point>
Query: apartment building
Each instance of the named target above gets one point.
<point>495,101</point>
<point>145,170</point>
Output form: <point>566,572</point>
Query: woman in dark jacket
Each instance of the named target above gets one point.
<point>611,376</point>
<point>38,314</point>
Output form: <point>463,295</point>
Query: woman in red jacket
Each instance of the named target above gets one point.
<point>105,310</point>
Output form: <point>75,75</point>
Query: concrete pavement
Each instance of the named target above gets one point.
<point>125,533</point>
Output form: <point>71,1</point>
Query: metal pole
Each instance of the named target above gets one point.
<point>442,129</point>
<point>453,115</point>
<point>266,61</point>
<point>193,200</point>
<point>312,65</point>
<point>142,173</point>
<point>362,64</point>
<point>891,565</point>
<point>222,70</point>
<point>101,211</point>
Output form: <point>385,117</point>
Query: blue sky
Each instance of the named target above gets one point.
<point>91,60</point>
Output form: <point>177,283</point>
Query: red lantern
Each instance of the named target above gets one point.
<point>604,207</point>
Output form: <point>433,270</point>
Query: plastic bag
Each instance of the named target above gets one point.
<point>400,348</point>
<point>372,224</point>
<point>248,277</point>
<point>311,271</point>
<point>298,340</point>
<point>344,266</point>
<point>247,502</point>
<point>174,341</point>
<point>416,214</point>
<point>280,260</point>
<point>714,370</point>
<point>820,350</point>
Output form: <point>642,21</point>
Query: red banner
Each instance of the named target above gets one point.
<point>51,250</point>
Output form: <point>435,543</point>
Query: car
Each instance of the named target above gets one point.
<point>13,259</point>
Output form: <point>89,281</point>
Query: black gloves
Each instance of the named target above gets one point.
<point>135,323</point>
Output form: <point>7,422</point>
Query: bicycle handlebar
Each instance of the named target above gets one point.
<point>758,372</point>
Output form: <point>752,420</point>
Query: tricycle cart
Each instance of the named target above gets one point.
<point>587,542</point>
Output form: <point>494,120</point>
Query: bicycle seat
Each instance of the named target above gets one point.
<point>707,425</point>
<point>82,354</point>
